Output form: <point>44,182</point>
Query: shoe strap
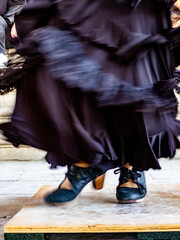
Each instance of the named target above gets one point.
<point>127,174</point>
<point>85,173</point>
<point>75,172</point>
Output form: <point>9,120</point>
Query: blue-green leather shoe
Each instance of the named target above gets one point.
<point>78,177</point>
<point>130,195</point>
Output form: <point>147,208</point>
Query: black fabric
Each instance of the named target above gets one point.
<point>135,3</point>
<point>176,53</point>
<point>64,52</point>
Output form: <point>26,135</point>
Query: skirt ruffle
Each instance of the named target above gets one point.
<point>93,21</point>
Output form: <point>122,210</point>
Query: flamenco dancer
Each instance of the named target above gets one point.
<point>95,87</point>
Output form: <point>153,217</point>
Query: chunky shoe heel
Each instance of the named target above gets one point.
<point>78,178</point>
<point>98,182</point>
<point>130,195</point>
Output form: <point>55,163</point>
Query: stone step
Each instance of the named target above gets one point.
<point>23,153</point>
<point>8,152</point>
<point>8,100</point>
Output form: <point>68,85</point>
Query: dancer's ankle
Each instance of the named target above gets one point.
<point>66,184</point>
<point>82,164</point>
<point>128,166</point>
<point>130,183</point>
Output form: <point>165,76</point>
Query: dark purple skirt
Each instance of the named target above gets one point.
<point>132,44</point>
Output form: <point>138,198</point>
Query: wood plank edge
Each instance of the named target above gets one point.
<point>95,229</point>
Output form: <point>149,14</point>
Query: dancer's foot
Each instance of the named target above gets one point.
<point>132,186</point>
<point>76,179</point>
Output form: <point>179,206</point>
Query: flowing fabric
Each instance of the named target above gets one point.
<point>96,83</point>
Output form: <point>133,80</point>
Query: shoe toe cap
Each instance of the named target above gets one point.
<point>124,193</point>
<point>60,196</point>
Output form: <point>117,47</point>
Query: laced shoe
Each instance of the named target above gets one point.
<point>127,194</point>
<point>78,178</point>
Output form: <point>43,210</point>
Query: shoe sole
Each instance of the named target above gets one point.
<point>130,201</point>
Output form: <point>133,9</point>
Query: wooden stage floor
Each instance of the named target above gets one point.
<point>97,212</point>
